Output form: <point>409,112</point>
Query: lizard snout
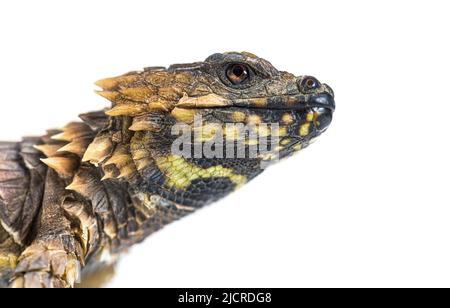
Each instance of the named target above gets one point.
<point>323,100</point>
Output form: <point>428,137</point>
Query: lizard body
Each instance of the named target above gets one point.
<point>71,201</point>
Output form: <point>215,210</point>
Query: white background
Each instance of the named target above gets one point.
<point>366,206</point>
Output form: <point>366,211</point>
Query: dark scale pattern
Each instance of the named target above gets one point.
<point>204,191</point>
<point>200,193</point>
<point>152,176</point>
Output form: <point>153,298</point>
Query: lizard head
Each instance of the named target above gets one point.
<point>194,132</point>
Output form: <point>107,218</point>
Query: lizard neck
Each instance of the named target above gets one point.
<point>105,192</point>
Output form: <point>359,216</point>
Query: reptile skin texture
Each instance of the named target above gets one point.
<point>73,200</point>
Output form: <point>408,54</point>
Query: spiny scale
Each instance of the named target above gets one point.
<point>48,149</point>
<point>123,161</point>
<point>139,93</point>
<point>65,166</point>
<point>64,148</point>
<point>100,148</point>
<point>77,146</point>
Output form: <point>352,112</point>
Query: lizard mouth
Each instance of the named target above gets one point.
<point>321,104</point>
<point>282,102</point>
<point>295,102</point>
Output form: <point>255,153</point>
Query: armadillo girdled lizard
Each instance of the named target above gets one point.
<point>173,140</point>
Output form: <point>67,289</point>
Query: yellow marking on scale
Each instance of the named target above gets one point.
<point>208,131</point>
<point>263,130</point>
<point>285,141</point>
<point>254,119</point>
<point>180,173</point>
<point>287,118</point>
<point>252,142</point>
<point>8,260</point>
<point>298,147</point>
<point>238,116</point>
<point>282,131</point>
<point>304,129</point>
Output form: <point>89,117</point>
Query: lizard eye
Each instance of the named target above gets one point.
<point>310,83</point>
<point>238,73</point>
